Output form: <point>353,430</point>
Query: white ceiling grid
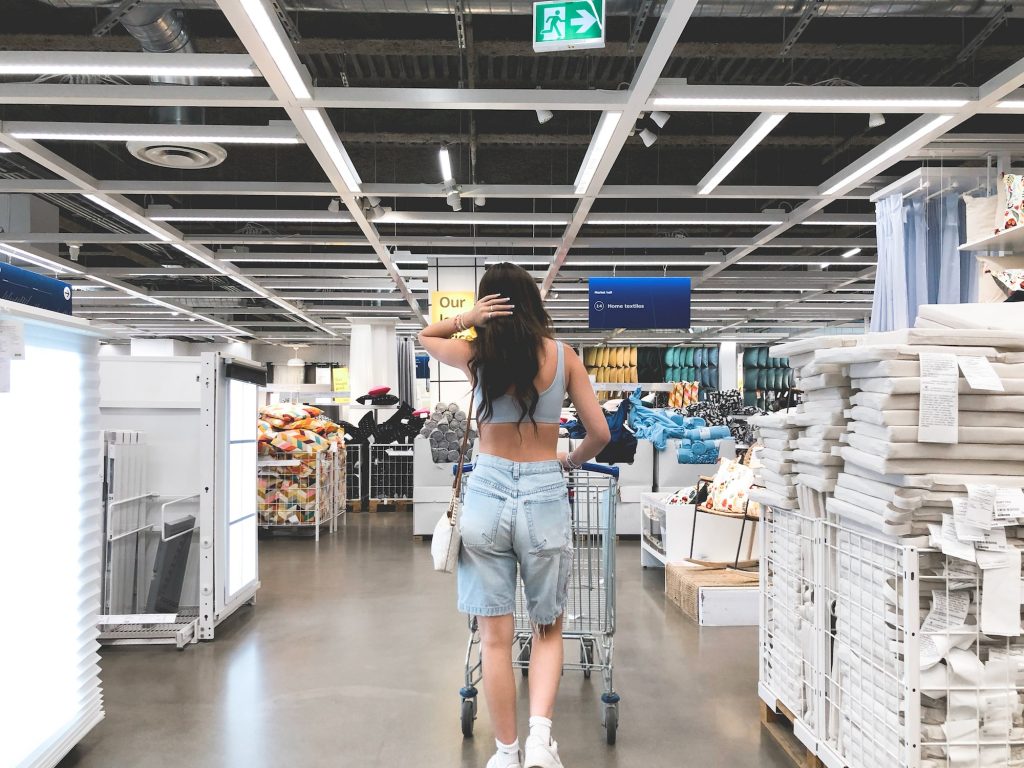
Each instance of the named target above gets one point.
<point>313,302</point>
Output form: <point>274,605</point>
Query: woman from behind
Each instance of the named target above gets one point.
<point>516,512</point>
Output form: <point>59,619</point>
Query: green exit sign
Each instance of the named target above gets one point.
<point>563,25</point>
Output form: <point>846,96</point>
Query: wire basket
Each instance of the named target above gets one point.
<point>296,490</point>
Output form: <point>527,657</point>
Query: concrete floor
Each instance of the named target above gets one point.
<point>353,656</point>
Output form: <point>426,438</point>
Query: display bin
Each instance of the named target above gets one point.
<point>635,479</point>
<point>428,504</point>
<point>301,490</point>
<point>669,528</point>
<point>391,472</point>
<point>670,475</point>
<point>792,614</point>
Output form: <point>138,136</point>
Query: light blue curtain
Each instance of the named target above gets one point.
<point>919,261</point>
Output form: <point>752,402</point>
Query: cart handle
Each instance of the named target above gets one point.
<point>601,469</point>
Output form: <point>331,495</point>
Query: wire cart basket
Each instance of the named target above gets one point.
<point>301,490</point>
<point>391,472</point>
<point>589,618</point>
<point>353,470</point>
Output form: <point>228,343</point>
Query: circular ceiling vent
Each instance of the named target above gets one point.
<point>184,157</point>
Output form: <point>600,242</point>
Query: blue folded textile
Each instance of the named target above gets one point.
<point>708,433</point>
<point>656,425</point>
<point>697,452</point>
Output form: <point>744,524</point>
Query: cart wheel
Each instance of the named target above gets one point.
<point>468,716</point>
<point>611,722</point>
<point>524,656</point>
<point>586,658</point>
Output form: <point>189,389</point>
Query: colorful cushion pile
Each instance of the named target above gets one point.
<point>289,494</point>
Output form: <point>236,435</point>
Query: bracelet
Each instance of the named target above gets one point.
<point>573,466</point>
<point>460,324</point>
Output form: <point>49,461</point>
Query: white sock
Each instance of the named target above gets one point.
<point>541,728</point>
<point>509,751</point>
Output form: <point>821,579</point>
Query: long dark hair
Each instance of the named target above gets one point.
<point>507,351</point>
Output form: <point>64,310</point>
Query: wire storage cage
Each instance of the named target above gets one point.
<point>354,471</point>
<point>301,490</point>
<point>391,472</point>
<point>791,613</point>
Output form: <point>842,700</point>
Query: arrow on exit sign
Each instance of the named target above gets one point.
<point>563,25</point>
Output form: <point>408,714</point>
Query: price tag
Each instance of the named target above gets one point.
<point>939,419</point>
<point>12,340</point>
<point>980,374</point>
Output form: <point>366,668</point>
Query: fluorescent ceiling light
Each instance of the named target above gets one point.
<point>37,261</point>
<point>680,219</point>
<point>130,216</point>
<point>6,151</point>
<point>218,134</point>
<point>269,30</point>
<point>342,162</point>
<point>869,104</point>
<point>595,152</point>
<point>128,64</point>
<point>1010,104</point>
<point>746,143</point>
<point>882,159</point>
<point>850,253</point>
<point>446,164</point>
<point>865,222</point>
<point>300,217</point>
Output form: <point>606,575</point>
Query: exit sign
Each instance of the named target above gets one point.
<point>564,25</point>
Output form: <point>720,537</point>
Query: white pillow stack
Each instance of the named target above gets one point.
<point>776,474</point>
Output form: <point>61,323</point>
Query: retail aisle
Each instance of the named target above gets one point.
<point>353,656</point>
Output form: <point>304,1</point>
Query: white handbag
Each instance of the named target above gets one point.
<point>444,547</point>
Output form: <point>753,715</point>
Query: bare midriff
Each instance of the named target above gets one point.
<point>519,442</point>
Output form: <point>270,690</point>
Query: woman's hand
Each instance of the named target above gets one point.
<point>563,459</point>
<point>487,308</point>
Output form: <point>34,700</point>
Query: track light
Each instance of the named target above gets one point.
<point>446,165</point>
<point>335,205</point>
<point>648,137</point>
<point>480,201</point>
<point>876,120</point>
<point>544,115</point>
<point>74,249</point>
<point>454,199</point>
<point>660,118</point>
<point>373,200</point>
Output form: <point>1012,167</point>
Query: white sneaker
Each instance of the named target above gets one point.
<point>541,755</point>
<point>498,760</point>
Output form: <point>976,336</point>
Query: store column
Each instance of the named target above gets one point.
<point>373,359</point>
<point>453,284</point>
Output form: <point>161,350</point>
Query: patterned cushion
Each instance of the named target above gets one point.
<point>1012,213</point>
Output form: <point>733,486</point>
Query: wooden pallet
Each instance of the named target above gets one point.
<point>778,723</point>
<point>378,505</point>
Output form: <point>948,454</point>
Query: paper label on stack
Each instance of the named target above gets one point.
<point>939,407</point>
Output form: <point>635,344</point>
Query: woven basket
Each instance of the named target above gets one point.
<point>683,584</point>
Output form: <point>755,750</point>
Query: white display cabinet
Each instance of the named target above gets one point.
<point>51,572</point>
<point>635,478</point>
<point>199,418</point>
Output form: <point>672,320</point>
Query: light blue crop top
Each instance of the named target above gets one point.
<point>549,406</point>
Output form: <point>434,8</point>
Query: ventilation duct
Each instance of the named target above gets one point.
<point>723,8</point>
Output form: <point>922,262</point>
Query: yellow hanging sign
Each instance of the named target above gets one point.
<point>447,304</point>
<point>340,383</point>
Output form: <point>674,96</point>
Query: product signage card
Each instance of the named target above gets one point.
<point>448,304</point>
<point>639,303</point>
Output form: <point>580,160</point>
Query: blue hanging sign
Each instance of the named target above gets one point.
<point>639,303</point>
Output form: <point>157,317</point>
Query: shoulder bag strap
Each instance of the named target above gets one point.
<point>457,483</point>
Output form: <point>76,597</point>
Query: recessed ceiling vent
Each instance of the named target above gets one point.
<point>181,156</point>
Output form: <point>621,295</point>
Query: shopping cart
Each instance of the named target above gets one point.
<point>589,618</point>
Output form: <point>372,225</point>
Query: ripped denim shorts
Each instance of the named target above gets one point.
<point>515,515</point>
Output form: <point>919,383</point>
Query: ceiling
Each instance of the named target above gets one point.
<point>330,200</point>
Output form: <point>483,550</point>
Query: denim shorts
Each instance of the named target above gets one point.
<point>515,515</point>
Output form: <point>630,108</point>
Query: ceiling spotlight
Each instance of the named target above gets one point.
<point>660,118</point>
<point>446,165</point>
<point>480,200</point>
<point>335,205</point>
<point>74,249</point>
<point>454,199</point>
<point>544,115</point>
<point>373,200</point>
<point>876,120</point>
<point>648,137</point>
